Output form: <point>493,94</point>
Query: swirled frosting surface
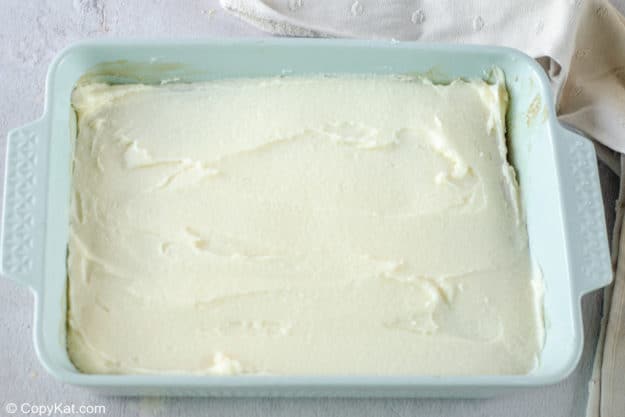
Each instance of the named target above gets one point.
<point>298,225</point>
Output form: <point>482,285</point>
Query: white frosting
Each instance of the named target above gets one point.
<point>321,225</point>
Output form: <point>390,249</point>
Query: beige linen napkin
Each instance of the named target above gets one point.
<point>581,45</point>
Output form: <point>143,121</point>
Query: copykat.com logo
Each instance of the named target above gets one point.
<point>54,409</point>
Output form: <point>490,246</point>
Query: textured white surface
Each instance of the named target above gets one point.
<point>31,32</point>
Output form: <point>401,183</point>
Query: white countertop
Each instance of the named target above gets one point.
<point>31,33</point>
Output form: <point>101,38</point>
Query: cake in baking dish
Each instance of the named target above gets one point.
<point>354,224</point>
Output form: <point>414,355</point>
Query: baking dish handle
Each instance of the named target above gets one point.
<point>588,250</point>
<point>24,204</point>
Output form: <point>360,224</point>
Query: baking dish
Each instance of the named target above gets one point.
<point>556,168</point>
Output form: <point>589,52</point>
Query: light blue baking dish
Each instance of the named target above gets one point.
<point>556,168</point>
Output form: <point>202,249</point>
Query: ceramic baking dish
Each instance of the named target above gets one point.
<point>556,168</point>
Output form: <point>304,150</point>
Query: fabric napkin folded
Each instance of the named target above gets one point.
<point>581,45</point>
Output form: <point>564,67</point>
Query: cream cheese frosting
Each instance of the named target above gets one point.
<point>298,225</point>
